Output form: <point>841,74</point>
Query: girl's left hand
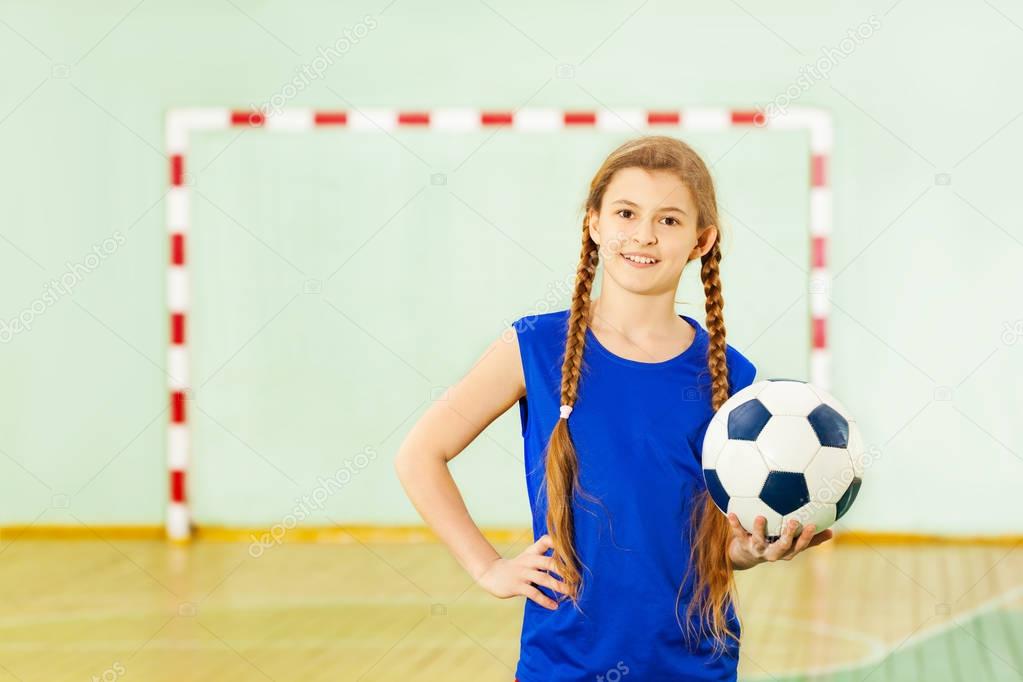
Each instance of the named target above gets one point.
<point>749,549</point>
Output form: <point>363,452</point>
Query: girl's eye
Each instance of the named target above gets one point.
<point>674,221</point>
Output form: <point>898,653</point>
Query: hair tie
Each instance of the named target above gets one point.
<point>565,411</point>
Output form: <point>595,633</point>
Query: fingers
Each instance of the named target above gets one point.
<point>808,539</point>
<point>547,580</point>
<point>539,597</point>
<point>540,562</point>
<point>541,545</point>
<point>759,540</point>
<point>793,539</point>
<point>737,530</point>
<point>802,542</point>
<point>782,545</point>
<point>536,563</point>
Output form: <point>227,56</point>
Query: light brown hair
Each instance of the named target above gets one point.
<point>714,583</point>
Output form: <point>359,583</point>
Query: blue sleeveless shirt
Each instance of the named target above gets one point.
<point>638,432</point>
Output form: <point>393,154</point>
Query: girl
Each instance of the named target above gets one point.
<point>615,395</point>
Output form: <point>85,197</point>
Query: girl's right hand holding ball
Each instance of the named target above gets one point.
<point>746,550</point>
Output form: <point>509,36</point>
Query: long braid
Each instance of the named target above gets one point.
<point>579,317</point>
<point>710,273</point>
<point>715,578</point>
<point>561,462</point>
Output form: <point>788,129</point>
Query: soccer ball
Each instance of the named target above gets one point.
<point>783,449</point>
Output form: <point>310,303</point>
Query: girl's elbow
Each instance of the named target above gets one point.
<point>408,462</point>
<point>403,465</point>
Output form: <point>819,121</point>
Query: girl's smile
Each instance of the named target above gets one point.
<point>639,260</point>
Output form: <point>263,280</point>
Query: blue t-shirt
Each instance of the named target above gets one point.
<point>638,431</point>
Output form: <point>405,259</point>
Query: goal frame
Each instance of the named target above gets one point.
<point>181,124</point>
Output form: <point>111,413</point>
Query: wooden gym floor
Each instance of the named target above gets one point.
<point>372,610</point>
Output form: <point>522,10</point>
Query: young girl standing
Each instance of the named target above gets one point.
<point>631,571</point>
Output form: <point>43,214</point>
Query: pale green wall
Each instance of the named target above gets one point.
<point>933,273</point>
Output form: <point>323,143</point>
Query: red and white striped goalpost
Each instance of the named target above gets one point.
<point>181,123</point>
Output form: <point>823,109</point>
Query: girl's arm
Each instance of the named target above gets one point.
<point>491,386</point>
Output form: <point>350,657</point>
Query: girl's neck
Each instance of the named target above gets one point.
<point>634,314</point>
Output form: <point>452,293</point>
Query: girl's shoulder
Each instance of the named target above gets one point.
<point>741,370</point>
<point>551,320</point>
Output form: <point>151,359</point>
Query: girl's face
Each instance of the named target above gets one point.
<point>646,229</point>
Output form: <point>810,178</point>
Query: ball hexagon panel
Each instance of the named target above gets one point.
<point>738,398</point>
<point>830,401</point>
<point>847,499</point>
<point>749,508</point>
<point>832,428</point>
<point>713,441</point>
<point>788,443</point>
<point>785,491</point>
<point>741,469</point>
<point>790,398</point>
<point>829,474</point>
<point>747,420</point>
<point>716,490</point>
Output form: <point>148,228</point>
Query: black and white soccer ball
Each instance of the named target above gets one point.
<point>783,449</point>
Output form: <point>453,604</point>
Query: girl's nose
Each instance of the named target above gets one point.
<point>645,231</point>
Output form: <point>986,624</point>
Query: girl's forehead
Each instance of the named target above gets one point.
<point>649,189</point>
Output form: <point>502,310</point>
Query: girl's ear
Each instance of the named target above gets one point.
<point>594,233</point>
<point>705,241</point>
